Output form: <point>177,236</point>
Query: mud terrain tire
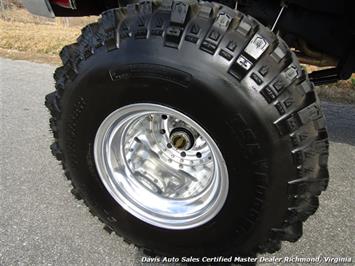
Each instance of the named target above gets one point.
<point>233,76</point>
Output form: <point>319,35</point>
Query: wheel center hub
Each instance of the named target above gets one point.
<point>181,139</point>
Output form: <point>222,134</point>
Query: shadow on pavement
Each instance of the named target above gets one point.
<point>340,122</point>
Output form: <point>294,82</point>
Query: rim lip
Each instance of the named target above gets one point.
<point>219,185</point>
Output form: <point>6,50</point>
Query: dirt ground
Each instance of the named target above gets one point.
<point>27,37</point>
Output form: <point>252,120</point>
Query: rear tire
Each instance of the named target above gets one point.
<point>229,74</point>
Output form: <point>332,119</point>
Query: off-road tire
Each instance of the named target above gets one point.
<point>267,119</point>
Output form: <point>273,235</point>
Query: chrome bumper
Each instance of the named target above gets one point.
<point>39,7</point>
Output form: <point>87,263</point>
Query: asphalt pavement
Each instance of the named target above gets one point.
<point>42,224</point>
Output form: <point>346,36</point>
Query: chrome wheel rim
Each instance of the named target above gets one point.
<point>161,166</point>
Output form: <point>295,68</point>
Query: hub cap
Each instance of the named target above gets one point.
<point>161,166</point>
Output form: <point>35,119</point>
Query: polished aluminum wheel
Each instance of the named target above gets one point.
<point>161,166</point>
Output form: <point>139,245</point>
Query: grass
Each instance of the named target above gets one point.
<point>21,31</point>
<point>42,39</point>
<point>23,36</point>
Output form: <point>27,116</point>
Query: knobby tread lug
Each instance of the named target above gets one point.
<point>58,73</point>
<point>52,104</point>
<point>107,228</point>
<point>149,252</point>
<point>68,53</point>
<point>289,233</point>
<point>66,173</point>
<point>86,41</point>
<point>57,153</point>
<point>303,207</point>
<point>76,193</point>
<point>297,117</point>
<point>272,245</point>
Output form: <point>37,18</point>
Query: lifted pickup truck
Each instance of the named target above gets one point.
<point>189,127</point>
